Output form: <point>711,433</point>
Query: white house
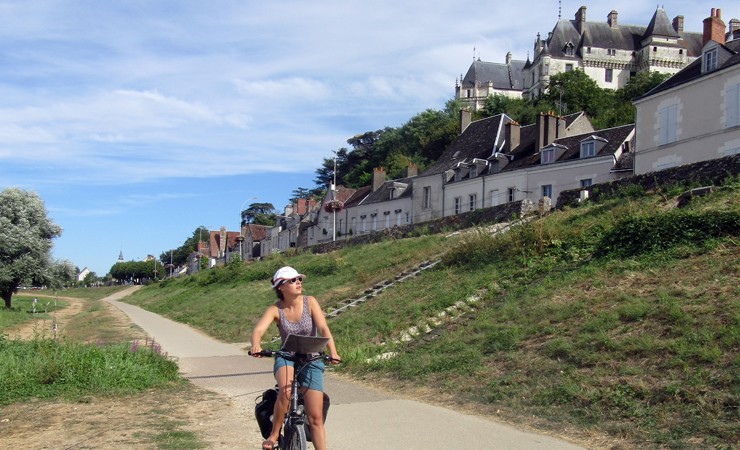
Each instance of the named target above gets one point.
<point>694,115</point>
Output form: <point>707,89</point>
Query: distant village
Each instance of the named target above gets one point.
<point>693,116</point>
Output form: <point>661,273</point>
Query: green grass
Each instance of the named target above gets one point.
<point>44,368</point>
<point>91,293</point>
<point>22,310</point>
<point>578,324</point>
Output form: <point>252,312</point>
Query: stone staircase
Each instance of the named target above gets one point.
<point>426,328</point>
<point>376,289</point>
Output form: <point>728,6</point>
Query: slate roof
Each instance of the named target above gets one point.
<point>357,196</point>
<point>614,137</point>
<point>693,70</point>
<point>478,140</point>
<point>382,194</point>
<point>528,139</point>
<point>502,76</point>
<point>622,37</point>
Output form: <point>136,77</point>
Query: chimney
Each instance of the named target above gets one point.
<point>512,135</point>
<point>508,58</point>
<point>411,170</point>
<point>222,240</point>
<point>678,24</point>
<point>300,206</point>
<point>714,28</point>
<point>581,19</point>
<point>464,119</point>
<point>611,19</point>
<point>547,129</point>
<point>378,178</point>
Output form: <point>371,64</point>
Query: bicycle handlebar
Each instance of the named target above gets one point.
<point>294,357</point>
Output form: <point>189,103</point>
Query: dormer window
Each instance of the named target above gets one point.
<point>611,52</point>
<point>458,174</point>
<point>710,60</point>
<point>568,50</point>
<point>473,171</point>
<point>588,149</point>
<point>547,156</point>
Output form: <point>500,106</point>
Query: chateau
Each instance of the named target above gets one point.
<point>607,51</point>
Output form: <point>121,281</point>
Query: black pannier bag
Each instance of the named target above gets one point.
<point>263,408</point>
<point>265,405</point>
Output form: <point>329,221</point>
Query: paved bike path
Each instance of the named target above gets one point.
<point>360,417</point>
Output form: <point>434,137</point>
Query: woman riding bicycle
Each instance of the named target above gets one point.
<point>295,313</point>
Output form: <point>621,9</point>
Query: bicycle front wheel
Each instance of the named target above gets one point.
<point>294,437</point>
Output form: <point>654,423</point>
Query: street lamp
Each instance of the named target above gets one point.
<point>334,197</point>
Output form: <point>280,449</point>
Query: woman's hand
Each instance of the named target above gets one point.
<point>256,349</point>
<point>335,359</point>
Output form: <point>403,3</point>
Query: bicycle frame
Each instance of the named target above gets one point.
<point>295,417</point>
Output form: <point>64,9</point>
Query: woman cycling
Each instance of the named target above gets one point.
<point>295,313</point>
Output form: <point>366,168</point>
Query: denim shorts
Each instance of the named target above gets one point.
<point>312,377</point>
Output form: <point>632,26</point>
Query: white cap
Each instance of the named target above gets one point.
<point>284,273</point>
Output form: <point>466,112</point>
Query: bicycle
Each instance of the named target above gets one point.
<point>302,350</point>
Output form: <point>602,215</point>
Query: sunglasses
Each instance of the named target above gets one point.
<point>293,280</point>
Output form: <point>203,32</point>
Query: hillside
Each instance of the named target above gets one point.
<point>617,321</point>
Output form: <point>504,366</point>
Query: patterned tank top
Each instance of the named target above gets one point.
<point>304,326</point>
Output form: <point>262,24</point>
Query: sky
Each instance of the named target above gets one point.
<point>137,121</point>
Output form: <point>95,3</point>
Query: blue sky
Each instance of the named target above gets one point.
<point>138,121</point>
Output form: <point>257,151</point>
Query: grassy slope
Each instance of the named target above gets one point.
<point>643,347</point>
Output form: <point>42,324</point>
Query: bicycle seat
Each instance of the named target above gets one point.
<point>304,344</point>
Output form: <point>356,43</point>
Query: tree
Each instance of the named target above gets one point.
<point>179,256</point>
<point>257,212</point>
<point>26,235</point>
<point>575,91</point>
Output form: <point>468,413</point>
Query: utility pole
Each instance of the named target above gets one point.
<point>334,197</point>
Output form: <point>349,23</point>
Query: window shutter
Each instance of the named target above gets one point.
<point>732,99</point>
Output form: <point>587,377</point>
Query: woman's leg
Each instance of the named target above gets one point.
<point>283,376</point>
<point>314,403</point>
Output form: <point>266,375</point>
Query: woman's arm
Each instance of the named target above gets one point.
<point>320,321</point>
<point>270,316</point>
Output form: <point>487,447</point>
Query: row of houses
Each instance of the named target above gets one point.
<point>693,116</point>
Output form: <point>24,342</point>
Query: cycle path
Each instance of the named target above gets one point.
<point>360,417</point>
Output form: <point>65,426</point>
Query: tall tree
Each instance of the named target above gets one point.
<point>575,91</point>
<point>26,235</point>
<point>257,211</point>
<point>179,256</point>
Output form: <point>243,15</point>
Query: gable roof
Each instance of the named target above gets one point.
<point>614,138</point>
<point>479,140</point>
<point>382,194</point>
<point>257,232</point>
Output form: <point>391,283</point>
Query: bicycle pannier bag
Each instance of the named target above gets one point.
<point>263,409</point>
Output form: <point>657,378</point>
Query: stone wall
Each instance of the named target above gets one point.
<point>713,171</point>
<point>491,215</point>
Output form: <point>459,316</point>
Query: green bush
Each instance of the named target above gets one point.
<point>643,234</point>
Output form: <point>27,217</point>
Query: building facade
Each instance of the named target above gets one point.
<point>694,115</point>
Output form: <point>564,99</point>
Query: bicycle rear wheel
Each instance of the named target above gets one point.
<point>294,438</point>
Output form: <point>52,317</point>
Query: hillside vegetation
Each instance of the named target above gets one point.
<point>617,319</point>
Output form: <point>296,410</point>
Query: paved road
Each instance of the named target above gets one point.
<point>360,418</point>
